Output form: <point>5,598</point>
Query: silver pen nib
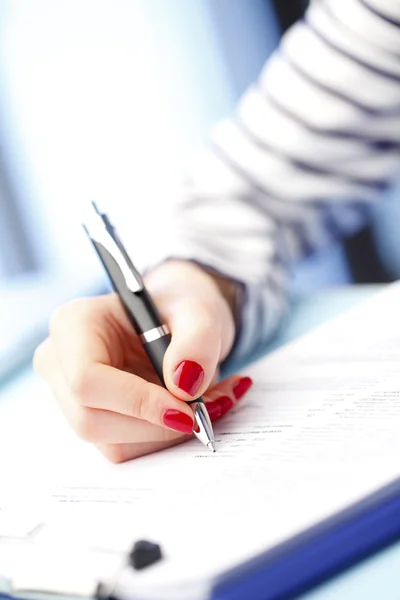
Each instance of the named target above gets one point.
<point>211,445</point>
<point>205,431</point>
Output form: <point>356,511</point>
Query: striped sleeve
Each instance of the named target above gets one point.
<point>312,144</point>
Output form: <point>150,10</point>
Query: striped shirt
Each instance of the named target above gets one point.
<point>312,144</point>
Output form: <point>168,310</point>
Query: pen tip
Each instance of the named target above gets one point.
<point>211,445</point>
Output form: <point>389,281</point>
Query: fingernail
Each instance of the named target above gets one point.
<point>241,387</point>
<point>189,376</point>
<point>214,410</point>
<point>225,403</point>
<point>175,419</point>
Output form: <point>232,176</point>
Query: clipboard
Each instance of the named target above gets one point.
<point>287,570</point>
<point>329,545</point>
<point>319,553</point>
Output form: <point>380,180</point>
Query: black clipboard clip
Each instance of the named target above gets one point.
<point>142,555</point>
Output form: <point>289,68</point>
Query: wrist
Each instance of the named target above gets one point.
<point>229,289</point>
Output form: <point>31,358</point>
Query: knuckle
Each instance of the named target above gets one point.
<point>139,407</point>
<point>81,384</point>
<point>56,318</point>
<point>85,425</point>
<point>64,314</point>
<point>136,399</point>
<point>40,357</point>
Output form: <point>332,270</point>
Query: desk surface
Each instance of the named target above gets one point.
<point>377,577</point>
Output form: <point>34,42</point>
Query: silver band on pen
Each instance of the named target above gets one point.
<point>154,334</point>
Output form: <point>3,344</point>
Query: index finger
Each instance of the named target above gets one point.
<point>87,331</point>
<point>89,337</point>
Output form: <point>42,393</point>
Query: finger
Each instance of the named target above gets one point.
<point>201,323</point>
<point>224,396</point>
<point>195,349</point>
<point>220,400</point>
<point>101,426</point>
<point>86,336</point>
<point>87,331</point>
<point>110,389</point>
<point>118,453</point>
<point>104,426</point>
<point>114,391</point>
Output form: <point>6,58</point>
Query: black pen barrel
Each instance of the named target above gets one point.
<point>155,350</point>
<point>139,306</point>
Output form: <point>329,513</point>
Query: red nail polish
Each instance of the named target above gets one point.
<point>189,376</point>
<point>175,419</point>
<point>225,403</point>
<point>241,387</point>
<point>214,410</point>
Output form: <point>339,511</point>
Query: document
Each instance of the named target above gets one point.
<point>318,432</point>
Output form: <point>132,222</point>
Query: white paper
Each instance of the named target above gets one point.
<point>318,432</point>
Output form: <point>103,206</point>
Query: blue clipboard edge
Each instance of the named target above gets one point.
<point>315,555</point>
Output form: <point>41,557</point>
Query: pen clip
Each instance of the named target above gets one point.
<point>98,231</point>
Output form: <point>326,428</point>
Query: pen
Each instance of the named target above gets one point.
<point>140,308</point>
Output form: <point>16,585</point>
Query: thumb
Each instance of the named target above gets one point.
<point>194,353</point>
<point>201,325</point>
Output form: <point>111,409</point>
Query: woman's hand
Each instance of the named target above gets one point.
<point>104,383</point>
